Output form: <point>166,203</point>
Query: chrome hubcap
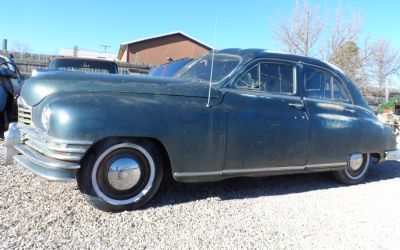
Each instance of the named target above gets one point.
<point>124,173</point>
<point>356,161</point>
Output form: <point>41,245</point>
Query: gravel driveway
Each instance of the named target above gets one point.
<point>298,211</point>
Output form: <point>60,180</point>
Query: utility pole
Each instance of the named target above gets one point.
<point>105,46</point>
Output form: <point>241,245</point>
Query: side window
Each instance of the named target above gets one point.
<point>250,79</point>
<point>323,85</point>
<point>276,78</point>
<point>339,93</point>
<point>317,83</point>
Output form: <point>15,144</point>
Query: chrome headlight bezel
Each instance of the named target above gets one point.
<point>45,117</point>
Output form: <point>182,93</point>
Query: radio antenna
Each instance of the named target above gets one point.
<point>212,64</point>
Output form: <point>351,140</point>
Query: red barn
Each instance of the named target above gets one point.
<point>161,49</point>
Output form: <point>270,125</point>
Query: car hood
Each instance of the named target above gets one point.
<point>44,84</point>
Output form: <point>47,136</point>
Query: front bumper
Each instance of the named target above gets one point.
<point>42,162</point>
<point>392,155</point>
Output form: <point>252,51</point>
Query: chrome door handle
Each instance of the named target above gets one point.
<point>297,105</point>
<point>350,110</point>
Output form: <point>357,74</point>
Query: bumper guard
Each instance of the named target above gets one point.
<point>41,165</point>
<point>392,155</point>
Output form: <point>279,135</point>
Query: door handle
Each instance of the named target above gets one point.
<point>299,106</point>
<point>350,110</point>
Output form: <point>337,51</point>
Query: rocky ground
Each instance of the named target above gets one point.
<point>296,212</point>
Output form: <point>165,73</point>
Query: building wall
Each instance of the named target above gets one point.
<point>156,51</point>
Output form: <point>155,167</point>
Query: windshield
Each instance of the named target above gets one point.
<point>200,69</point>
<point>84,65</point>
<point>169,69</point>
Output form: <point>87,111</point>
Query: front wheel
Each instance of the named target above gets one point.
<point>355,170</point>
<point>121,175</point>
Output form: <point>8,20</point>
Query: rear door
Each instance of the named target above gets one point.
<point>267,124</point>
<point>335,128</point>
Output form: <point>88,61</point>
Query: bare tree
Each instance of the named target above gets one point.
<point>299,33</point>
<point>385,61</point>
<point>346,28</point>
<point>348,58</point>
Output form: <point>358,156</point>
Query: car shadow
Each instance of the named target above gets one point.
<point>172,193</point>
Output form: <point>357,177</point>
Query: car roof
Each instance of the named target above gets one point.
<point>81,59</point>
<point>249,54</point>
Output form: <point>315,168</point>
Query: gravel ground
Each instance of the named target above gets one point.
<point>295,212</point>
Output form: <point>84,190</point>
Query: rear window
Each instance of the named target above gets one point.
<point>84,65</point>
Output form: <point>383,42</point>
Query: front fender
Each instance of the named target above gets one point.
<point>193,135</point>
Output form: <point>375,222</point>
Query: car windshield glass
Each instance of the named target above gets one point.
<point>84,65</point>
<point>169,69</point>
<point>200,69</point>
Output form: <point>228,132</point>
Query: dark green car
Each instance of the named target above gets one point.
<point>233,113</point>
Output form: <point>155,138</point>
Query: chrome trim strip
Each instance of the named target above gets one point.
<point>43,161</point>
<point>59,156</point>
<point>194,174</point>
<point>63,150</point>
<point>260,93</point>
<point>258,170</point>
<point>349,105</point>
<point>287,168</point>
<point>30,130</point>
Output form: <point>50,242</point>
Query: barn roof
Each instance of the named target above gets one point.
<point>125,44</point>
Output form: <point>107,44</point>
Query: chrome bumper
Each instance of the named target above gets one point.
<point>12,138</point>
<point>392,155</point>
<point>45,166</point>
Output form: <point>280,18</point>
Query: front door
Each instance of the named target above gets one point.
<point>267,123</point>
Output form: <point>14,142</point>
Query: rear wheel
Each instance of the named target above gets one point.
<point>121,175</point>
<point>355,170</point>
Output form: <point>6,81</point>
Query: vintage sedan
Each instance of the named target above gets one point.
<point>230,113</point>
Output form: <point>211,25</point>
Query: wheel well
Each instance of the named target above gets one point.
<point>160,147</point>
<point>377,157</point>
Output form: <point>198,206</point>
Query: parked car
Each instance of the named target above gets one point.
<point>169,69</point>
<point>258,113</point>
<point>83,64</point>
<point>10,85</point>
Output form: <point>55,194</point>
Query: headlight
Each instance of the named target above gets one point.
<point>45,118</point>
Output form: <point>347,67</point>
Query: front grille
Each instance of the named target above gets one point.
<point>54,148</point>
<point>24,113</point>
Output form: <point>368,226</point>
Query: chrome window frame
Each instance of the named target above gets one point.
<point>295,64</point>
<point>334,74</point>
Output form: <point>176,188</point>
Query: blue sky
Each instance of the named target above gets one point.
<point>48,25</point>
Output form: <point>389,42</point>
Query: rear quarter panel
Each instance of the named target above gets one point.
<point>377,137</point>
